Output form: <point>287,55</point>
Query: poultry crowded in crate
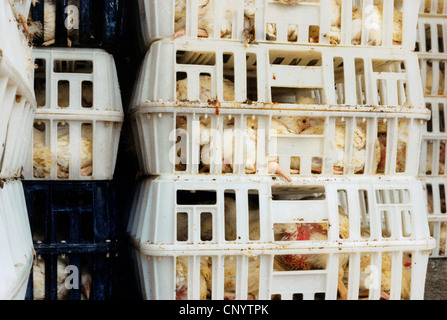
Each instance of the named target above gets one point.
<point>47,31</point>
<point>290,262</point>
<point>206,22</point>
<point>38,276</point>
<point>285,125</point>
<point>43,158</point>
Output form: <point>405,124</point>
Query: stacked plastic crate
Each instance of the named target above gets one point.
<point>17,108</point>
<point>69,169</point>
<point>277,140</point>
<point>431,48</point>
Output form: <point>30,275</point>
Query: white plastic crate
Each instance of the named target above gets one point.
<point>76,79</point>
<point>435,189</point>
<point>246,220</point>
<point>434,138</point>
<point>192,139</point>
<point>278,74</point>
<point>433,7</point>
<point>20,7</point>
<point>433,76</point>
<point>14,46</point>
<point>431,36</point>
<point>73,145</point>
<point>79,117</point>
<point>386,24</point>
<point>17,108</point>
<point>15,242</point>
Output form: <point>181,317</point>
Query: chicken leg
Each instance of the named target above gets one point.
<point>274,168</point>
<point>53,41</point>
<point>24,23</point>
<point>342,290</point>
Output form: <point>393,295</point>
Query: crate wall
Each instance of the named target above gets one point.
<point>78,122</point>
<point>87,24</point>
<point>256,141</point>
<point>72,212</point>
<point>15,241</point>
<point>432,59</point>
<point>437,219</point>
<point>213,71</point>
<point>67,274</point>
<point>74,224</point>
<point>14,46</point>
<point>384,24</point>
<point>248,220</point>
<point>430,48</point>
<point>18,109</point>
<point>17,101</point>
<point>432,8</point>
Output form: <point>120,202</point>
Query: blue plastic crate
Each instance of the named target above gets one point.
<point>101,23</point>
<point>68,214</point>
<point>75,222</point>
<point>100,268</point>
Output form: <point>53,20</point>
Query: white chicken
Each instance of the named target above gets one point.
<point>250,137</point>
<point>374,20</point>
<point>289,125</point>
<point>63,290</point>
<point>64,153</point>
<point>205,93</point>
<point>39,279</point>
<point>366,273</point>
<point>318,232</point>
<point>43,158</point>
<point>206,18</point>
<point>230,281</point>
<point>48,30</point>
<point>312,232</point>
<point>358,159</point>
<point>249,21</point>
<point>316,127</point>
<point>401,150</point>
<point>230,271</point>
<point>443,239</point>
<point>182,278</point>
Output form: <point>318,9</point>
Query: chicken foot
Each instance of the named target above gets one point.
<point>53,41</point>
<point>274,168</point>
